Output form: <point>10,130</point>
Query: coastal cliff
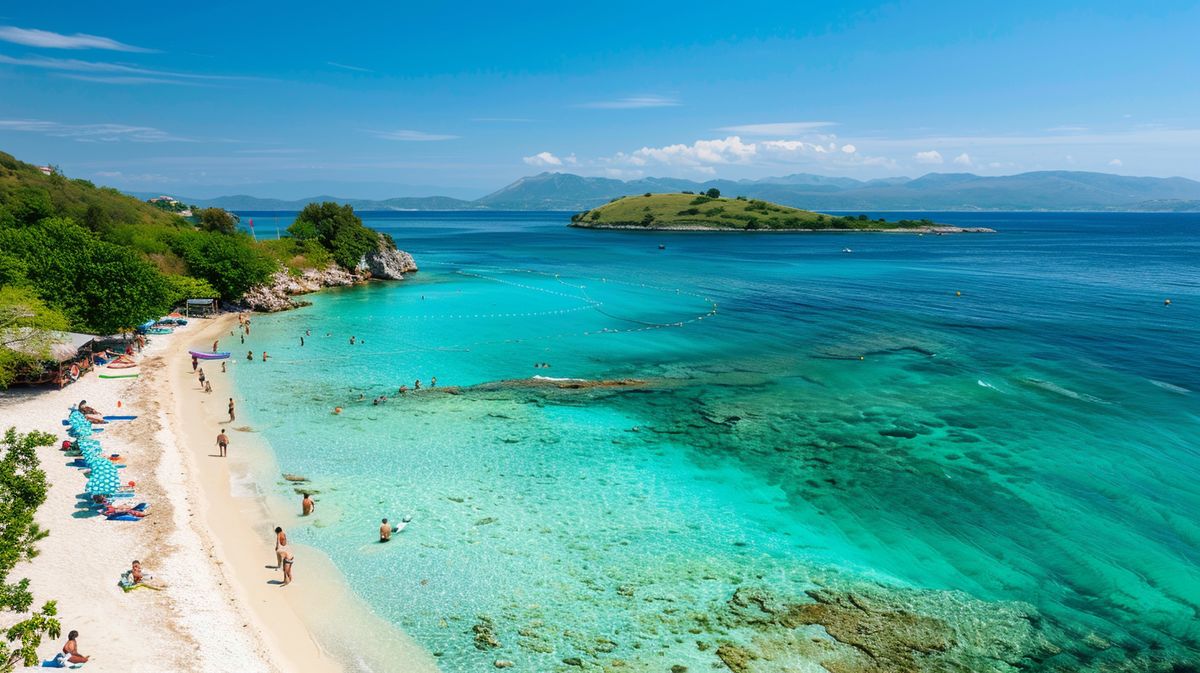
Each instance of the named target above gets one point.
<point>388,263</point>
<point>384,263</point>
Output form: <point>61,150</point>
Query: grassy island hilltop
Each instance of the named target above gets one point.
<point>709,211</point>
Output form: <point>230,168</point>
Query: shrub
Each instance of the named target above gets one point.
<point>713,193</point>
<point>230,264</point>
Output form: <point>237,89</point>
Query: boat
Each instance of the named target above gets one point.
<point>847,250</point>
<point>199,355</point>
<point>661,246</point>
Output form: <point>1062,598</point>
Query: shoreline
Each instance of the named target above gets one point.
<point>693,228</point>
<point>317,624</point>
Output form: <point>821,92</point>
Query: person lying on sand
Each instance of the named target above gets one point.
<point>85,409</point>
<point>135,578</point>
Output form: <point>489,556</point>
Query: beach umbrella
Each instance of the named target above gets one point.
<point>103,483</point>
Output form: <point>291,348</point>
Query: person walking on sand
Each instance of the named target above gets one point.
<point>223,442</point>
<point>195,363</point>
<point>307,505</point>
<point>280,546</point>
<point>208,386</point>
<point>222,366</point>
<point>385,531</point>
<point>231,415</point>
<point>71,650</point>
<point>215,343</point>
<point>202,377</point>
<point>287,560</point>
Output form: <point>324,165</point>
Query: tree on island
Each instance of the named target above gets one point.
<point>217,220</point>
<point>339,230</point>
<point>22,492</point>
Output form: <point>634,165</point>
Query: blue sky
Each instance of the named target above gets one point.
<point>460,98</point>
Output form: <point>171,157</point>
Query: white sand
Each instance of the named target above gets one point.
<point>220,609</point>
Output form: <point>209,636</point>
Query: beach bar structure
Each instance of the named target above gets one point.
<point>200,308</point>
<point>67,358</point>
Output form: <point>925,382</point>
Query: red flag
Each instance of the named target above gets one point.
<point>252,223</point>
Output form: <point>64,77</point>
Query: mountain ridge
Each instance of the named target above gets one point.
<point>1030,191</point>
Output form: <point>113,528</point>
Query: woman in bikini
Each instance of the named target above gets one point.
<point>71,650</point>
<point>280,547</point>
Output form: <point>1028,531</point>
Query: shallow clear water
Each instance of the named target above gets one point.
<point>807,414</point>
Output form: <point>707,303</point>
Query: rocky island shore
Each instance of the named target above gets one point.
<point>384,263</point>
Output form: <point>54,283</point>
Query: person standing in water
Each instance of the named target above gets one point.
<point>265,356</point>
<point>302,342</point>
<point>223,442</point>
<point>250,356</point>
<point>417,384</point>
<point>433,382</point>
<point>385,531</point>
<point>307,505</point>
<point>351,341</point>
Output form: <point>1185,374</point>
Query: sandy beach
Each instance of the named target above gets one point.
<point>208,540</point>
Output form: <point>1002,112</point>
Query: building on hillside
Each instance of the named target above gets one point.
<point>46,170</point>
<point>164,199</point>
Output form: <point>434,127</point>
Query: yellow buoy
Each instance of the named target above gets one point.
<point>957,294</point>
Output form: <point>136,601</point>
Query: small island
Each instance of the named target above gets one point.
<point>711,212</point>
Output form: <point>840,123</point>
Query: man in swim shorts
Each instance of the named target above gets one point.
<point>222,442</point>
<point>385,531</point>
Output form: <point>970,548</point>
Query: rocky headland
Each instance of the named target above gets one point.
<point>384,263</point>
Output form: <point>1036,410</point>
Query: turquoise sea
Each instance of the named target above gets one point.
<point>999,434</point>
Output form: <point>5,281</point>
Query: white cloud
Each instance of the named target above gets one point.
<point>76,65</point>
<point>543,159</point>
<point>849,149</point>
<point>963,159</point>
<point>92,132</point>
<point>631,103</point>
<point>928,157</point>
<point>32,37</point>
<point>121,79</point>
<point>776,129</point>
<point>1116,162</point>
<point>343,66</point>
<point>411,136</point>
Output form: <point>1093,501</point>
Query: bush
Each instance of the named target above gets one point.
<point>713,193</point>
<point>186,287</point>
<point>699,200</point>
<point>230,264</point>
<point>646,194</point>
<point>338,229</point>
<point>217,220</point>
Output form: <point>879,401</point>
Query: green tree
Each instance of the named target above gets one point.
<point>713,193</point>
<point>216,220</point>
<point>230,264</point>
<point>101,287</point>
<point>27,330</point>
<point>338,229</point>
<point>22,492</point>
<point>186,287</point>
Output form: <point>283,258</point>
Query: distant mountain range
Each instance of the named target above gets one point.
<point>1041,190</point>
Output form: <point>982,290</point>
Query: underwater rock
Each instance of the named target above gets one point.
<point>485,634</point>
<point>573,661</point>
<point>736,658</point>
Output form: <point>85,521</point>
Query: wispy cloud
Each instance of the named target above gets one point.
<point>343,66</point>
<point>411,136</point>
<point>777,129</point>
<point>704,156</point>
<point>76,65</point>
<point>631,103</point>
<point>281,151</point>
<point>92,132</point>
<point>133,81</point>
<point>515,120</point>
<point>31,37</point>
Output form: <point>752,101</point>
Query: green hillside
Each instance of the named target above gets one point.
<point>700,211</point>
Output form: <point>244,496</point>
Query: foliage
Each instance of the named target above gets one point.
<point>665,211</point>
<point>217,220</point>
<point>231,264</point>
<point>713,193</point>
<point>186,287</point>
<point>338,230</point>
<point>22,491</point>
<point>99,286</point>
<point>27,328</point>
<point>297,255</point>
